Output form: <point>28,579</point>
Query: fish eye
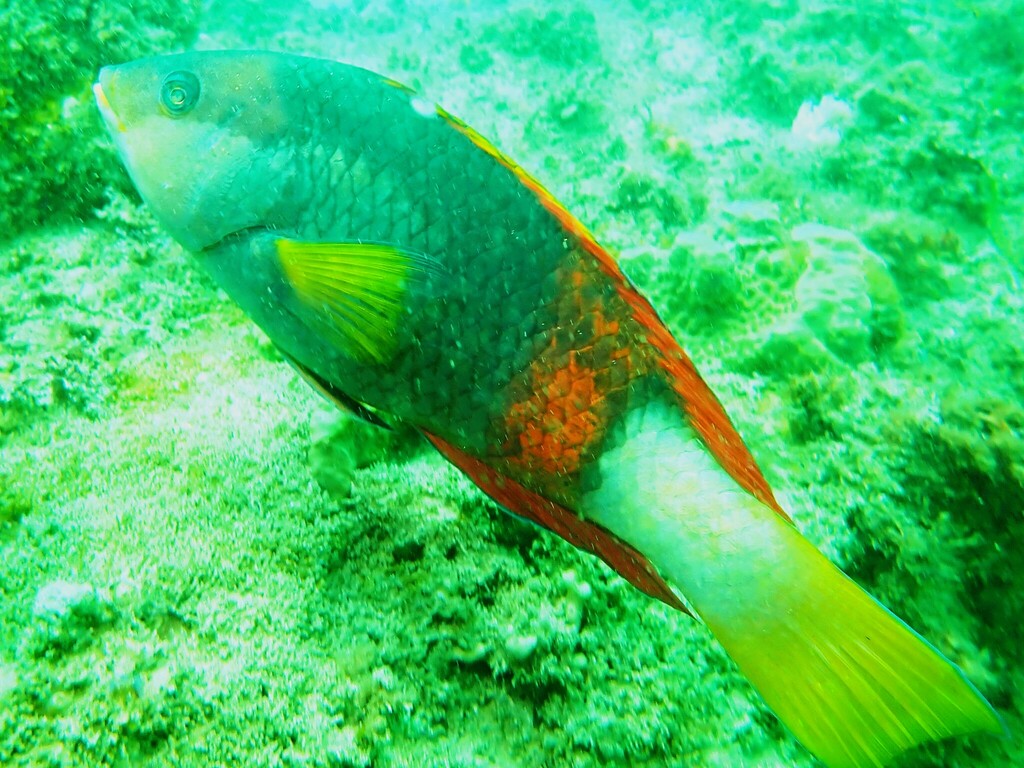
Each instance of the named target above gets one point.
<point>179,93</point>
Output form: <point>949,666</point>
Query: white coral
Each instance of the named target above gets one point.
<point>820,125</point>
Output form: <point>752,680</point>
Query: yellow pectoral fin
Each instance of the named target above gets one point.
<point>356,290</point>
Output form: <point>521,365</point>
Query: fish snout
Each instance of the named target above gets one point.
<point>102,89</point>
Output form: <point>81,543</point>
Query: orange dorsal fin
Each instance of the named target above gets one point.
<point>703,410</point>
<point>589,537</point>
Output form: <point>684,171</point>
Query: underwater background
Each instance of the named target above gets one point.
<point>203,564</point>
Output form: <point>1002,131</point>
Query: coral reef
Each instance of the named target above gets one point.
<point>95,299</point>
<point>845,295</point>
<point>202,563</point>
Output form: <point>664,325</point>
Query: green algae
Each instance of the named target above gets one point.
<point>246,578</point>
<point>567,38</point>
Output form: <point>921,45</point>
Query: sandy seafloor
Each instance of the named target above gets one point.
<point>201,564</point>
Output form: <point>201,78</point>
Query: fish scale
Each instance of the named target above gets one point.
<point>448,390</point>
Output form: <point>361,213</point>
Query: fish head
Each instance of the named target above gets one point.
<point>205,137</point>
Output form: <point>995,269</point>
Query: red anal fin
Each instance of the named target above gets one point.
<point>625,560</point>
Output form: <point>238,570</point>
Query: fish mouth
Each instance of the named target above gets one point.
<point>109,115</point>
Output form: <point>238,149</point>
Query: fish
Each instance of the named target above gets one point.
<point>413,273</point>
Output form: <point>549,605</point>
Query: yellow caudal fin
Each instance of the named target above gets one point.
<point>852,682</point>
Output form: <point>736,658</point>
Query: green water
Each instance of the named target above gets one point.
<point>202,564</point>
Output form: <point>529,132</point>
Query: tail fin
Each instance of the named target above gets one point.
<point>853,683</point>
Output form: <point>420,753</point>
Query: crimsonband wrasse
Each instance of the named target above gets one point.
<point>413,272</point>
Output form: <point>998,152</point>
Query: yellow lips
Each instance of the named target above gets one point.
<point>105,109</point>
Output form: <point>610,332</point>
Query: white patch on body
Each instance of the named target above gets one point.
<point>422,107</point>
<point>665,494</point>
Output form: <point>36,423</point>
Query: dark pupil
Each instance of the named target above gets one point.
<point>179,93</point>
